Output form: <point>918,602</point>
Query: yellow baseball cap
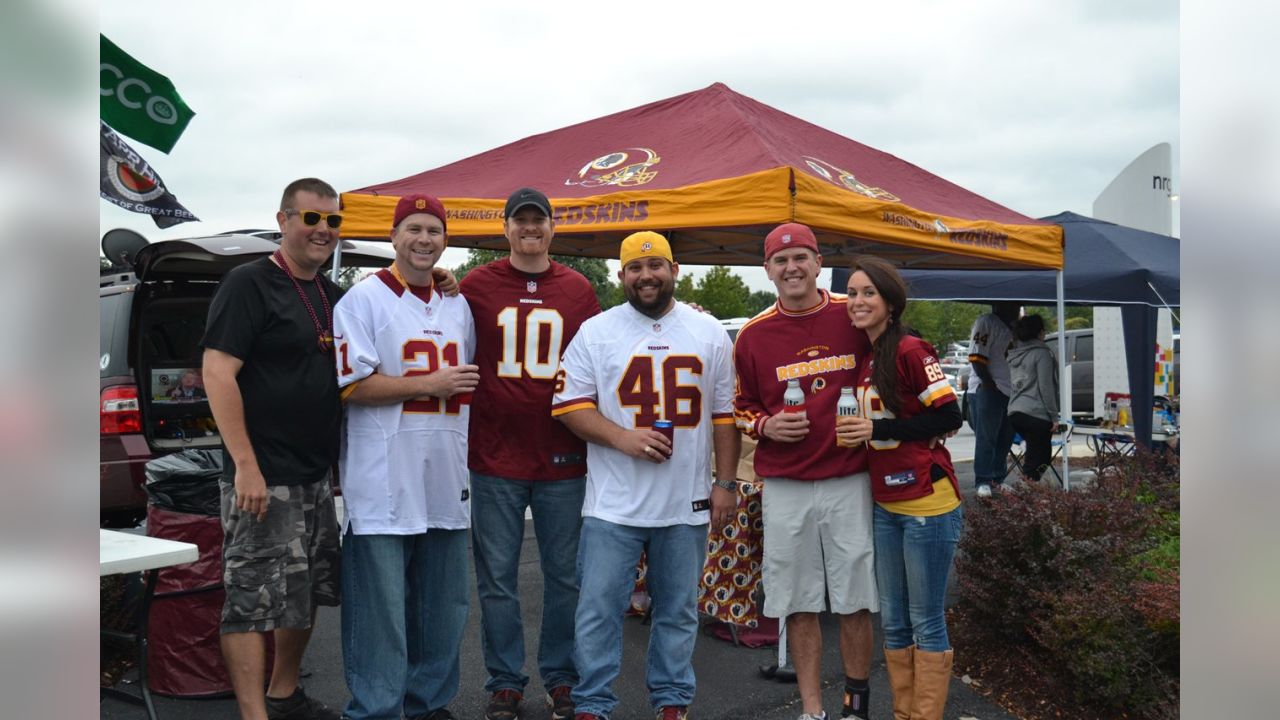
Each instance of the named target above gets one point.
<point>645,243</point>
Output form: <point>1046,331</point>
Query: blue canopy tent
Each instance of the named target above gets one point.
<point>1103,264</point>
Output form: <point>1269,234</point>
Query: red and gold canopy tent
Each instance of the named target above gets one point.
<point>714,171</point>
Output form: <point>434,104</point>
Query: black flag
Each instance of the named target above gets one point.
<point>128,181</point>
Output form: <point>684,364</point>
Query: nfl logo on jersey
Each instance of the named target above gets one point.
<point>532,286</point>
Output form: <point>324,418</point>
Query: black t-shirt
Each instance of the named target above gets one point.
<point>290,389</point>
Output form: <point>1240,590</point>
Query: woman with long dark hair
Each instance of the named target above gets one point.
<point>905,404</point>
<point>1033,406</point>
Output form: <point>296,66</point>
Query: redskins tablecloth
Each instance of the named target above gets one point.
<point>732,571</point>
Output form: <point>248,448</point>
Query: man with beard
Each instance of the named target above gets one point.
<point>629,368</point>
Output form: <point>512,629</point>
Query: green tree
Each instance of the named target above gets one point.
<point>350,275</point>
<point>942,322</point>
<point>722,293</point>
<point>475,258</point>
<point>758,301</point>
<point>685,291</point>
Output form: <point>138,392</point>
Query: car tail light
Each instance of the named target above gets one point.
<point>120,411</point>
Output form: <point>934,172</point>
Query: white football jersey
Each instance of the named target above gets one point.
<point>635,370</point>
<point>991,340</point>
<point>403,466</point>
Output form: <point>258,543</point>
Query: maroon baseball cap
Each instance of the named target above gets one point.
<point>418,203</point>
<point>789,235</point>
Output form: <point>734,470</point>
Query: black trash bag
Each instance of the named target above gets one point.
<point>186,482</point>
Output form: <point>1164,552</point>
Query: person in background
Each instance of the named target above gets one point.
<point>1033,406</point>
<point>988,393</point>
<point>905,404</point>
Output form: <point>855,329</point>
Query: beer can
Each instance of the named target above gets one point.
<point>668,428</point>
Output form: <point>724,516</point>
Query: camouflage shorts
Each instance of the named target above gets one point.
<point>276,571</point>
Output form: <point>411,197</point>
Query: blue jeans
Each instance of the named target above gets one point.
<point>607,560</point>
<point>913,560</point>
<point>404,605</point>
<point>992,434</point>
<point>497,529</point>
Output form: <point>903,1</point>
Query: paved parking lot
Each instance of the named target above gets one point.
<point>729,684</point>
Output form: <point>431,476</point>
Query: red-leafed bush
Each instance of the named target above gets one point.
<point>1083,583</point>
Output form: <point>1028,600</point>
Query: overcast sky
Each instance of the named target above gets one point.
<point>1035,105</point>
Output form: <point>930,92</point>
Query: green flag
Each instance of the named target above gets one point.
<point>138,101</point>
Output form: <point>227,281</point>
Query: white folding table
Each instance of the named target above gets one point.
<point>120,552</point>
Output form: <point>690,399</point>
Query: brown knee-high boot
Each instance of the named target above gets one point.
<point>901,666</point>
<point>932,680</point>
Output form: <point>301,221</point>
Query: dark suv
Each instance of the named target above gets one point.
<point>1080,361</point>
<point>154,302</point>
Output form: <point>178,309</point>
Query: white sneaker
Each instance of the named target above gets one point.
<point>810,716</point>
<point>984,490</point>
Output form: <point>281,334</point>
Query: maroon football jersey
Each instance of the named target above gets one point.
<point>524,322</point>
<point>902,469</point>
<point>821,349</point>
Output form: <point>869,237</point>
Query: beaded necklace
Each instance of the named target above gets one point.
<point>324,333</point>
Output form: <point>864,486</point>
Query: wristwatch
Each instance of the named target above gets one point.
<point>730,484</point>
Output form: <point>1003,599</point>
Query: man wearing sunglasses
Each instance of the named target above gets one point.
<point>403,354</point>
<point>527,308</point>
<point>268,372</point>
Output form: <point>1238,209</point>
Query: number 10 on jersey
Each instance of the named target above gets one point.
<point>539,355</point>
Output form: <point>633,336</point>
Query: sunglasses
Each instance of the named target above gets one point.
<point>311,218</point>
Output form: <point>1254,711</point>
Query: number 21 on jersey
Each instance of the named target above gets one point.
<point>431,356</point>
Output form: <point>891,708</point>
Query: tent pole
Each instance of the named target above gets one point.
<point>1063,400</point>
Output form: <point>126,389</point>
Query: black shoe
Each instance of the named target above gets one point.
<point>299,706</point>
<point>856,702</point>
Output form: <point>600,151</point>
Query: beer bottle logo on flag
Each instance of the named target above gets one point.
<point>129,182</point>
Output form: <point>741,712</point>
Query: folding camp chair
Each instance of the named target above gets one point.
<point>1018,449</point>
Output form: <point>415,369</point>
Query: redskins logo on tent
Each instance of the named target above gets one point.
<point>623,168</point>
<point>135,187</point>
<point>844,178</point>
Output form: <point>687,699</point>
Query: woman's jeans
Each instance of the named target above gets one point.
<point>1038,434</point>
<point>913,560</point>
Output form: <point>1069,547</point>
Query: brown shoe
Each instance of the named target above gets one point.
<point>932,681</point>
<point>560,701</point>
<point>672,712</point>
<point>901,666</point>
<point>504,704</point>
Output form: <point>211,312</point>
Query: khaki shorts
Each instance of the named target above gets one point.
<point>818,546</point>
<point>276,571</point>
